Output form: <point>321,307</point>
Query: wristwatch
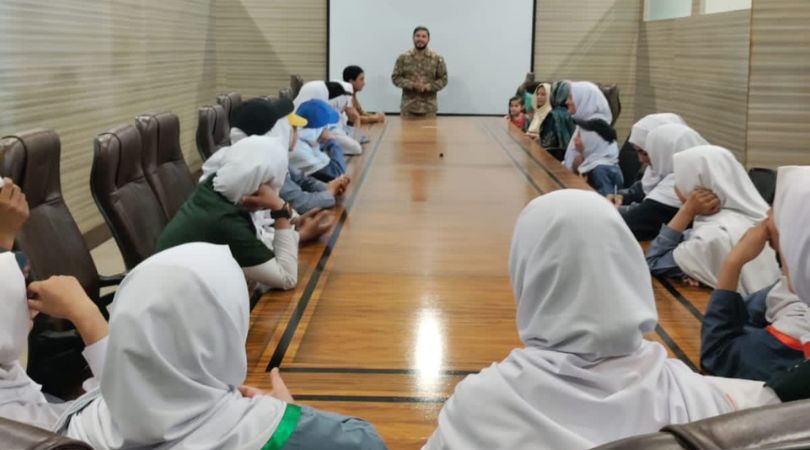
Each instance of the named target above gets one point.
<point>283,213</point>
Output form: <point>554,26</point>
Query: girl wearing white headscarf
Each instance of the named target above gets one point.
<point>248,176</point>
<point>593,150</point>
<point>321,90</point>
<point>586,375</point>
<point>302,192</point>
<point>722,203</point>
<point>21,399</point>
<point>341,131</point>
<point>173,380</point>
<point>661,204</point>
<point>768,332</point>
<point>638,140</point>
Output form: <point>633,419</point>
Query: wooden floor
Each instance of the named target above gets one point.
<point>410,292</point>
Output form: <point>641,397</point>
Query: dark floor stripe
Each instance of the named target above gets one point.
<point>517,165</point>
<point>295,319</point>
<point>372,371</point>
<point>537,161</point>
<point>681,299</point>
<point>254,299</point>
<point>676,349</point>
<point>368,399</point>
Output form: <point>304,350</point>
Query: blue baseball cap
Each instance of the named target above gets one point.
<point>317,113</point>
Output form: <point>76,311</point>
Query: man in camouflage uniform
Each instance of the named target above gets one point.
<point>420,73</point>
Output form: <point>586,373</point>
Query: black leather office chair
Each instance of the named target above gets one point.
<point>230,102</point>
<point>765,182</point>
<point>783,426</point>
<point>163,163</point>
<point>213,130</point>
<point>126,200</point>
<point>55,246</point>
<point>19,436</point>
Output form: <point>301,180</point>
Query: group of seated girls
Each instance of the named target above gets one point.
<point>572,120</point>
<point>585,375</point>
<point>708,225</point>
<point>160,379</point>
<point>286,158</point>
<point>541,111</point>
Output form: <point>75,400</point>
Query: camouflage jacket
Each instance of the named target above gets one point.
<point>410,67</point>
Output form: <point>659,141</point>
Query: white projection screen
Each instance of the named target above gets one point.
<point>487,45</point>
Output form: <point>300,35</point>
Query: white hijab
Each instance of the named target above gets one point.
<point>340,102</point>
<point>540,111</point>
<point>591,104</point>
<point>176,358</point>
<point>789,312</point>
<point>638,137</point>
<point>312,90</point>
<point>248,164</point>
<point>663,143</point>
<point>586,375</point>
<point>20,398</point>
<point>702,254</point>
<point>318,90</point>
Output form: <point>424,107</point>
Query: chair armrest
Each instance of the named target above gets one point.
<point>16,435</point>
<point>111,280</point>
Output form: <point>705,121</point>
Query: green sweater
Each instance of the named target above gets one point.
<point>207,216</point>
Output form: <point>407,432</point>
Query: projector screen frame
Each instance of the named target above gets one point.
<point>328,55</point>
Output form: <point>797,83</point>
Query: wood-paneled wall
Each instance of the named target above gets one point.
<point>80,67</point>
<point>698,67</point>
<point>590,40</point>
<point>779,99</point>
<point>261,43</point>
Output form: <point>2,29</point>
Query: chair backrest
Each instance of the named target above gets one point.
<point>765,182</point>
<point>230,102</point>
<point>51,238</point>
<point>782,426</point>
<point>650,441</point>
<point>629,164</point>
<point>611,92</point>
<point>213,130</point>
<point>20,436</point>
<point>124,197</point>
<point>296,83</point>
<point>163,164</point>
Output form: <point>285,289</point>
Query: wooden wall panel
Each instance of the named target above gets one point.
<point>260,43</point>
<point>654,76</point>
<point>698,67</point>
<point>779,105</point>
<point>590,40</point>
<point>80,67</point>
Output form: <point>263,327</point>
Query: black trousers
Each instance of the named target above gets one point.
<point>645,219</point>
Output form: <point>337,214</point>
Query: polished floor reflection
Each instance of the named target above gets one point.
<point>411,291</point>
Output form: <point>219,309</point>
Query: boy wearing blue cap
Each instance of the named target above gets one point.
<point>317,153</point>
